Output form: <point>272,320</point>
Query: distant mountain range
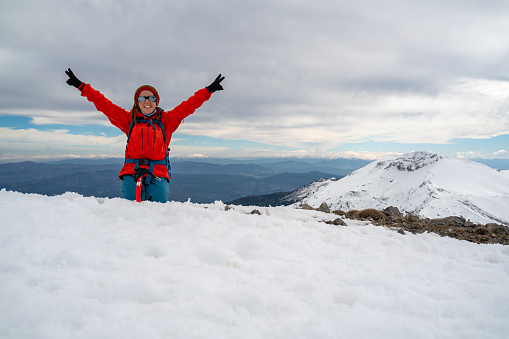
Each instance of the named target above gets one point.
<point>290,165</point>
<point>200,181</point>
<point>423,183</point>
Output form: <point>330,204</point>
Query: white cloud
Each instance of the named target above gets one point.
<point>49,117</point>
<point>20,141</point>
<point>465,109</point>
<point>33,144</point>
<point>15,157</point>
<point>470,154</point>
<point>222,152</point>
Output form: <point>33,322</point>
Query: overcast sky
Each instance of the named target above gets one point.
<point>308,78</point>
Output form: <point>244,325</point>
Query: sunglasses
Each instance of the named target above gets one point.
<point>151,98</point>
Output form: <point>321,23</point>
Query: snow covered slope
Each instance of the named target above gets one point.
<point>423,183</point>
<point>79,267</point>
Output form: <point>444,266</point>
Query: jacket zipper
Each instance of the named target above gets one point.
<point>154,141</point>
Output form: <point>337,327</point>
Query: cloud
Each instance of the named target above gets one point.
<point>63,144</point>
<point>57,142</point>
<point>301,74</point>
<point>470,155</point>
<point>15,157</point>
<point>254,152</point>
<point>52,117</point>
<point>465,109</point>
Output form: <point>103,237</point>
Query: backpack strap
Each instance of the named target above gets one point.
<point>150,164</point>
<point>156,120</point>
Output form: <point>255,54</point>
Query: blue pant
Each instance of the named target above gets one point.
<point>157,190</point>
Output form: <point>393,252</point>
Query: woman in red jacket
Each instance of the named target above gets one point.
<point>149,130</point>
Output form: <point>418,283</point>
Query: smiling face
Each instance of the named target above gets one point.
<point>147,106</point>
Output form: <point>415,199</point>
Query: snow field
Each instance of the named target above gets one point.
<point>78,267</point>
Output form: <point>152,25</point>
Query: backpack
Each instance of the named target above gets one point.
<point>148,162</point>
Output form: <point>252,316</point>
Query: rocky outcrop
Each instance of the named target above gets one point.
<point>393,214</point>
<point>324,208</point>
<point>453,226</point>
<point>336,222</point>
<point>411,162</point>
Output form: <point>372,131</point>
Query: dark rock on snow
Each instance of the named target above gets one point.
<point>453,226</point>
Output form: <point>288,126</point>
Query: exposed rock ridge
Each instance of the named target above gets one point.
<point>452,226</point>
<point>416,161</point>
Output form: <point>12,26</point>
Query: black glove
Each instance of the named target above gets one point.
<point>139,172</point>
<point>73,81</point>
<point>216,86</point>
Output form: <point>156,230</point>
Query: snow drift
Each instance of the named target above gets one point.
<point>77,267</point>
<point>422,183</point>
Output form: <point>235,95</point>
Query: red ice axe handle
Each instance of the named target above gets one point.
<point>138,189</point>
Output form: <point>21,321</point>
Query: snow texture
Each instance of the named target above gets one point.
<point>82,267</point>
<point>422,183</point>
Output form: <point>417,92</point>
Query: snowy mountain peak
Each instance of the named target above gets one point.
<point>423,183</point>
<point>410,161</point>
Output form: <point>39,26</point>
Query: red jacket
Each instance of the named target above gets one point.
<point>145,142</point>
